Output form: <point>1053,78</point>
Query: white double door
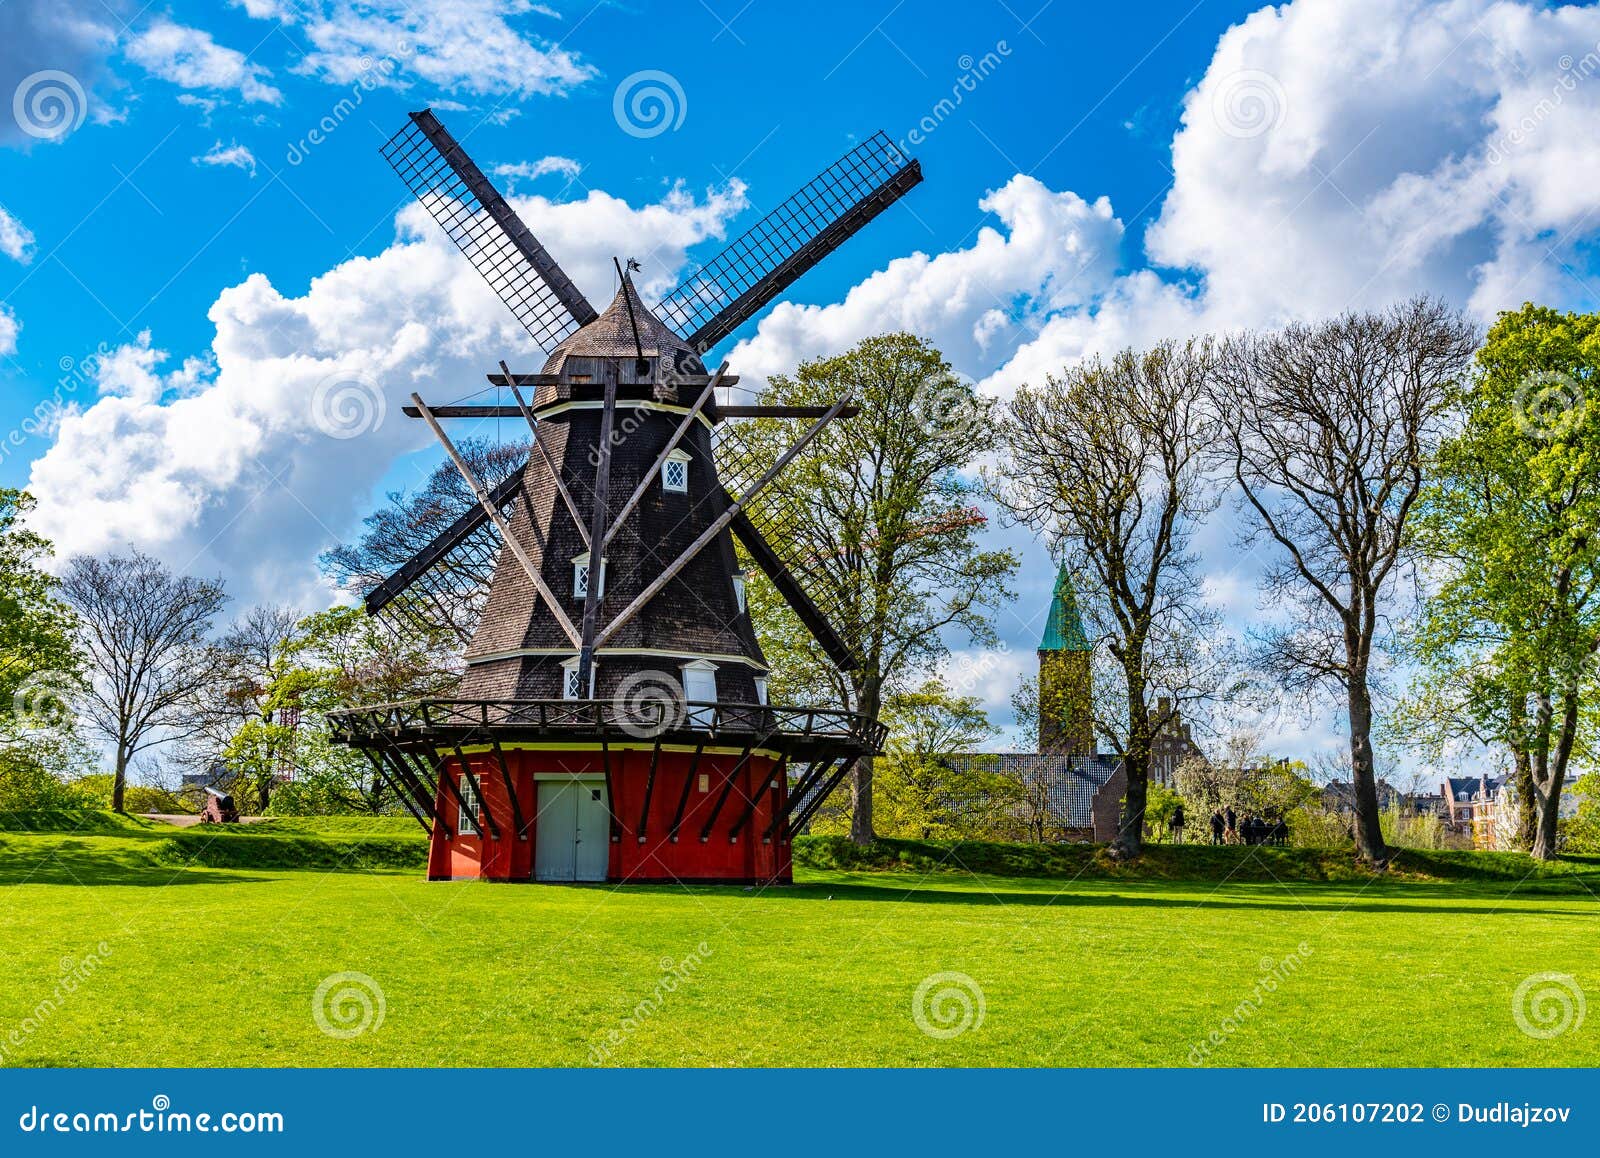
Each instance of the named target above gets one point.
<point>573,834</point>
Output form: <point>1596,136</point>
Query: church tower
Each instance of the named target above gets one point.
<point>1066,715</point>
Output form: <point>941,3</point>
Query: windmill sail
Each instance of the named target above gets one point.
<point>728,290</point>
<point>472,213</point>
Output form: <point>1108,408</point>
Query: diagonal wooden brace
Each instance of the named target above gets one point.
<point>718,525</point>
<point>512,543</point>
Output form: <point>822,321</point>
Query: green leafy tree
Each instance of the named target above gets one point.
<point>41,667</point>
<point>923,792</point>
<point>877,505</point>
<point>283,754</point>
<point>1510,526</point>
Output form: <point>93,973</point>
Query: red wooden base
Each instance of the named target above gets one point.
<point>721,785</point>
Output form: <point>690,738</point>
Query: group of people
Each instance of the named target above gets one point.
<point>1227,828</point>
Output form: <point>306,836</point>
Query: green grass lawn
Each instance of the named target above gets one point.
<point>208,965</point>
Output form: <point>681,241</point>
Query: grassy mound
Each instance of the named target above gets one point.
<point>89,821</point>
<point>1189,862</point>
<point>243,848</point>
<point>342,825</point>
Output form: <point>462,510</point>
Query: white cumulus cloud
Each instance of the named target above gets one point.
<point>16,239</point>
<point>466,46</point>
<point>192,59</point>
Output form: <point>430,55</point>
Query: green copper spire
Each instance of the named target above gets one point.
<point>1063,631</point>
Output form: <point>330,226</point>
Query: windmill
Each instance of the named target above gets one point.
<point>612,720</point>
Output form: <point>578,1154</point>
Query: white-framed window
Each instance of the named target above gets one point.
<point>700,687</point>
<point>580,577</point>
<point>761,690</point>
<point>675,472</point>
<point>570,688</point>
<point>738,589</point>
<point>469,814</point>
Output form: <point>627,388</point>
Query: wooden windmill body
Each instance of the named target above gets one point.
<point>612,721</point>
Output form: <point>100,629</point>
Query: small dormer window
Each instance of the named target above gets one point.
<point>738,590</point>
<point>571,689</point>
<point>761,690</point>
<point>675,473</point>
<point>580,578</point>
<point>700,687</point>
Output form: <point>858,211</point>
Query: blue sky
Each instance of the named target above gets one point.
<point>1110,175</point>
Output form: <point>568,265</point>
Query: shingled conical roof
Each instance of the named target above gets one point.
<point>1063,630</point>
<point>611,334</point>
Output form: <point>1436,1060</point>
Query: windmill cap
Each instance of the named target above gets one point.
<point>611,334</point>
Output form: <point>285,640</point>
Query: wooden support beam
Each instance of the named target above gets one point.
<point>387,777</point>
<point>755,799</point>
<point>461,802</point>
<point>716,527</point>
<point>683,798</point>
<point>672,443</point>
<point>822,630</point>
<point>489,508</point>
<point>427,800</point>
<point>827,790</point>
<point>814,773</point>
<point>437,775</point>
<point>597,534</point>
<point>550,463</point>
<point>727,789</point>
<point>611,795</point>
<point>649,789</point>
<point>511,790</point>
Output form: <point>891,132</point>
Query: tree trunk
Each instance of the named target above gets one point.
<point>1130,837</point>
<point>1545,830</point>
<point>1527,799</point>
<point>1136,757</point>
<point>861,802</point>
<point>861,830</point>
<point>1368,824</point>
<point>119,780</point>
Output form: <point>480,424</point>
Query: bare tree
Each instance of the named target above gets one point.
<point>1327,427</point>
<point>410,521</point>
<point>244,662</point>
<point>1110,460</point>
<point>144,630</point>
